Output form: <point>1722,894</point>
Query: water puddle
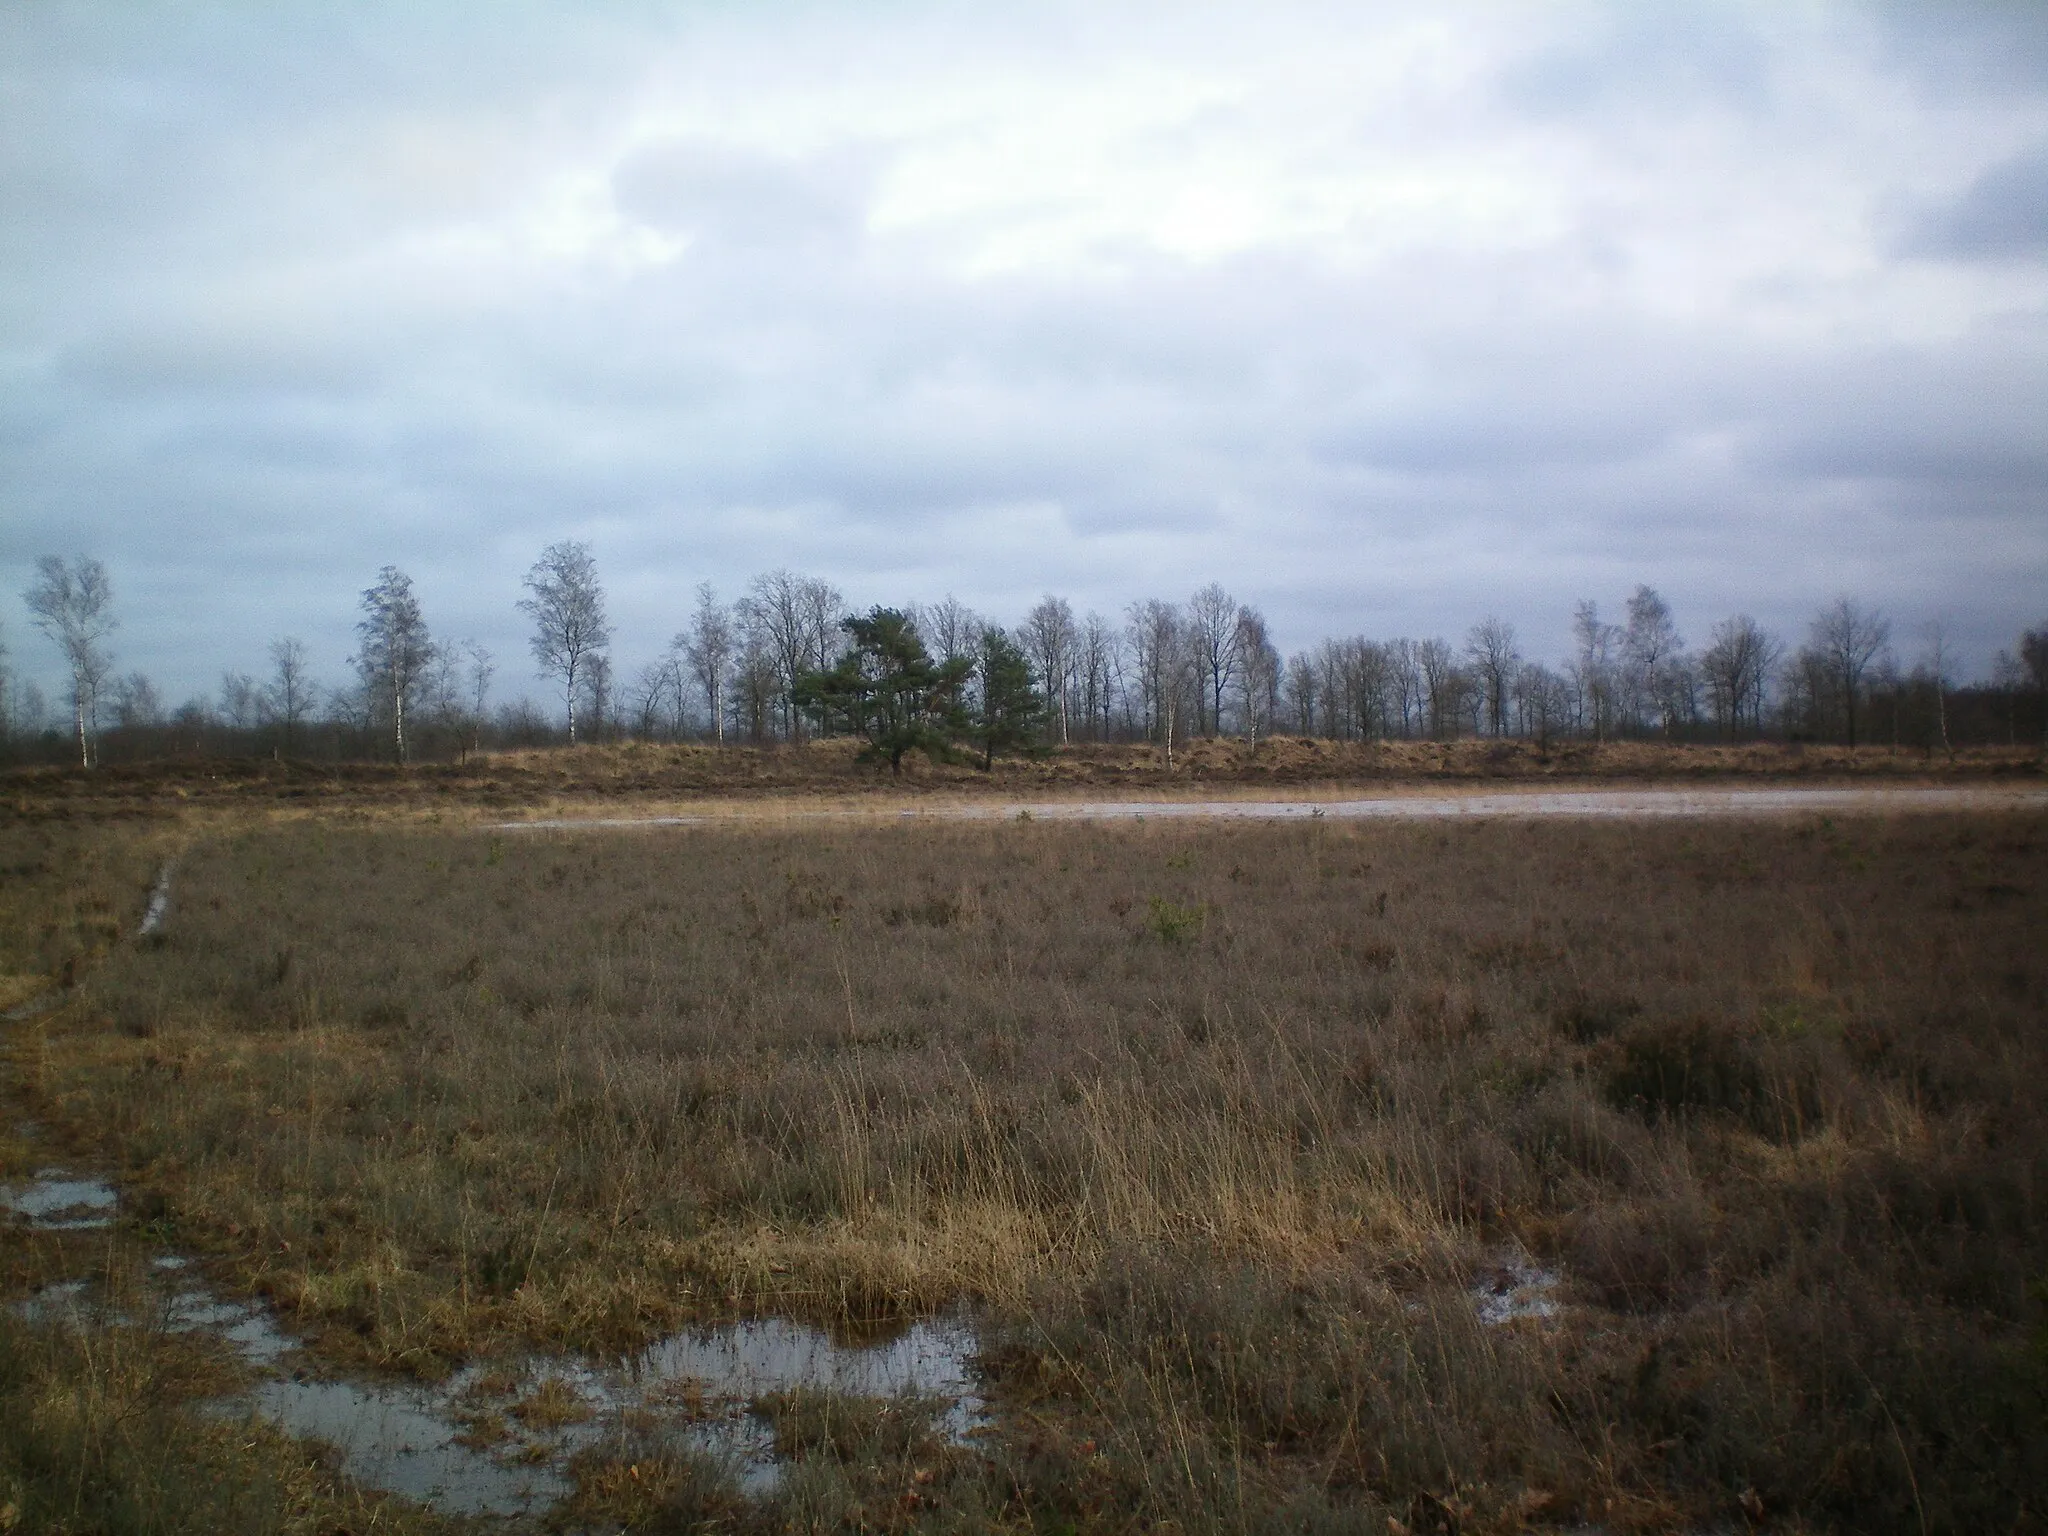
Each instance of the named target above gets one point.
<point>39,1003</point>
<point>159,902</point>
<point>67,1300</point>
<point>496,1438</point>
<point>931,1358</point>
<point>1515,1288</point>
<point>57,1202</point>
<point>402,1440</point>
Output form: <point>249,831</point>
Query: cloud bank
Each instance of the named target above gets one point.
<point>1387,317</point>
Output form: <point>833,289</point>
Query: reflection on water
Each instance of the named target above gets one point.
<point>57,1202</point>
<point>159,902</point>
<point>402,1440</point>
<point>496,1437</point>
<point>930,1358</point>
<point>1516,1288</point>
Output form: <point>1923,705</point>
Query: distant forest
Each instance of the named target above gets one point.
<point>787,661</point>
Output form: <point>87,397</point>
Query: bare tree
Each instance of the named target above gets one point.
<point>1095,668</point>
<point>1737,666</point>
<point>1406,683</point>
<point>756,685</point>
<point>1048,637</point>
<point>289,694</point>
<point>136,702</point>
<point>482,667</point>
<point>1164,661</point>
<point>1495,658</point>
<point>824,611</point>
<point>599,700</point>
<point>1937,661</point>
<point>2008,677</point>
<point>1212,637</point>
<point>1541,699</point>
<point>1593,668</point>
<point>1258,672</point>
<point>1649,643</point>
<point>2033,660</point>
<point>1847,638</point>
<point>73,604</point>
<point>1332,663</point>
<point>1302,692</point>
<point>1443,683</point>
<point>952,629</point>
<point>394,653</point>
<point>241,701</point>
<point>795,618</point>
<point>707,645</point>
<point>28,713</point>
<point>567,608</point>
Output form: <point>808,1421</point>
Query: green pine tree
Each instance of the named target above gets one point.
<point>888,689</point>
<point>1011,711</point>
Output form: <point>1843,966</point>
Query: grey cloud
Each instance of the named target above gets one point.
<point>1964,50</point>
<point>1645,57</point>
<point>232,373</point>
<point>745,199</point>
<point>1959,421</point>
<point>2001,214</point>
<point>1491,433</point>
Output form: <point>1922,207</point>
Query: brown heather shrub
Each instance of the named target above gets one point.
<point>1767,1092</point>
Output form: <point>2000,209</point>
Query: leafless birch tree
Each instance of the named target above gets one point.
<point>394,652</point>
<point>1937,662</point>
<point>289,694</point>
<point>566,605</point>
<point>1650,643</point>
<point>1258,673</point>
<point>73,604</point>
<point>1047,636</point>
<point>1164,662</point>
<point>707,645</point>
<point>1593,669</point>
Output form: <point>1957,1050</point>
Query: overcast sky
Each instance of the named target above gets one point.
<point>1386,316</point>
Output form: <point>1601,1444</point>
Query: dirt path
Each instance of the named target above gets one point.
<point>1620,804</point>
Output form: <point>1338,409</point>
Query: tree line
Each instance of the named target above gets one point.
<point>786,660</point>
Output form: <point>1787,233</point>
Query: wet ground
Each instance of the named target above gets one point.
<point>1616,804</point>
<point>496,1437</point>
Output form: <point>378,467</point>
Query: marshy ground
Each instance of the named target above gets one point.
<point>1478,1176</point>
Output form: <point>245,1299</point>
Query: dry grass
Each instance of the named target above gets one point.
<point>68,889</point>
<point>1767,1092</point>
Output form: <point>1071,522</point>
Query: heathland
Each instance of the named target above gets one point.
<point>1214,1129</point>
